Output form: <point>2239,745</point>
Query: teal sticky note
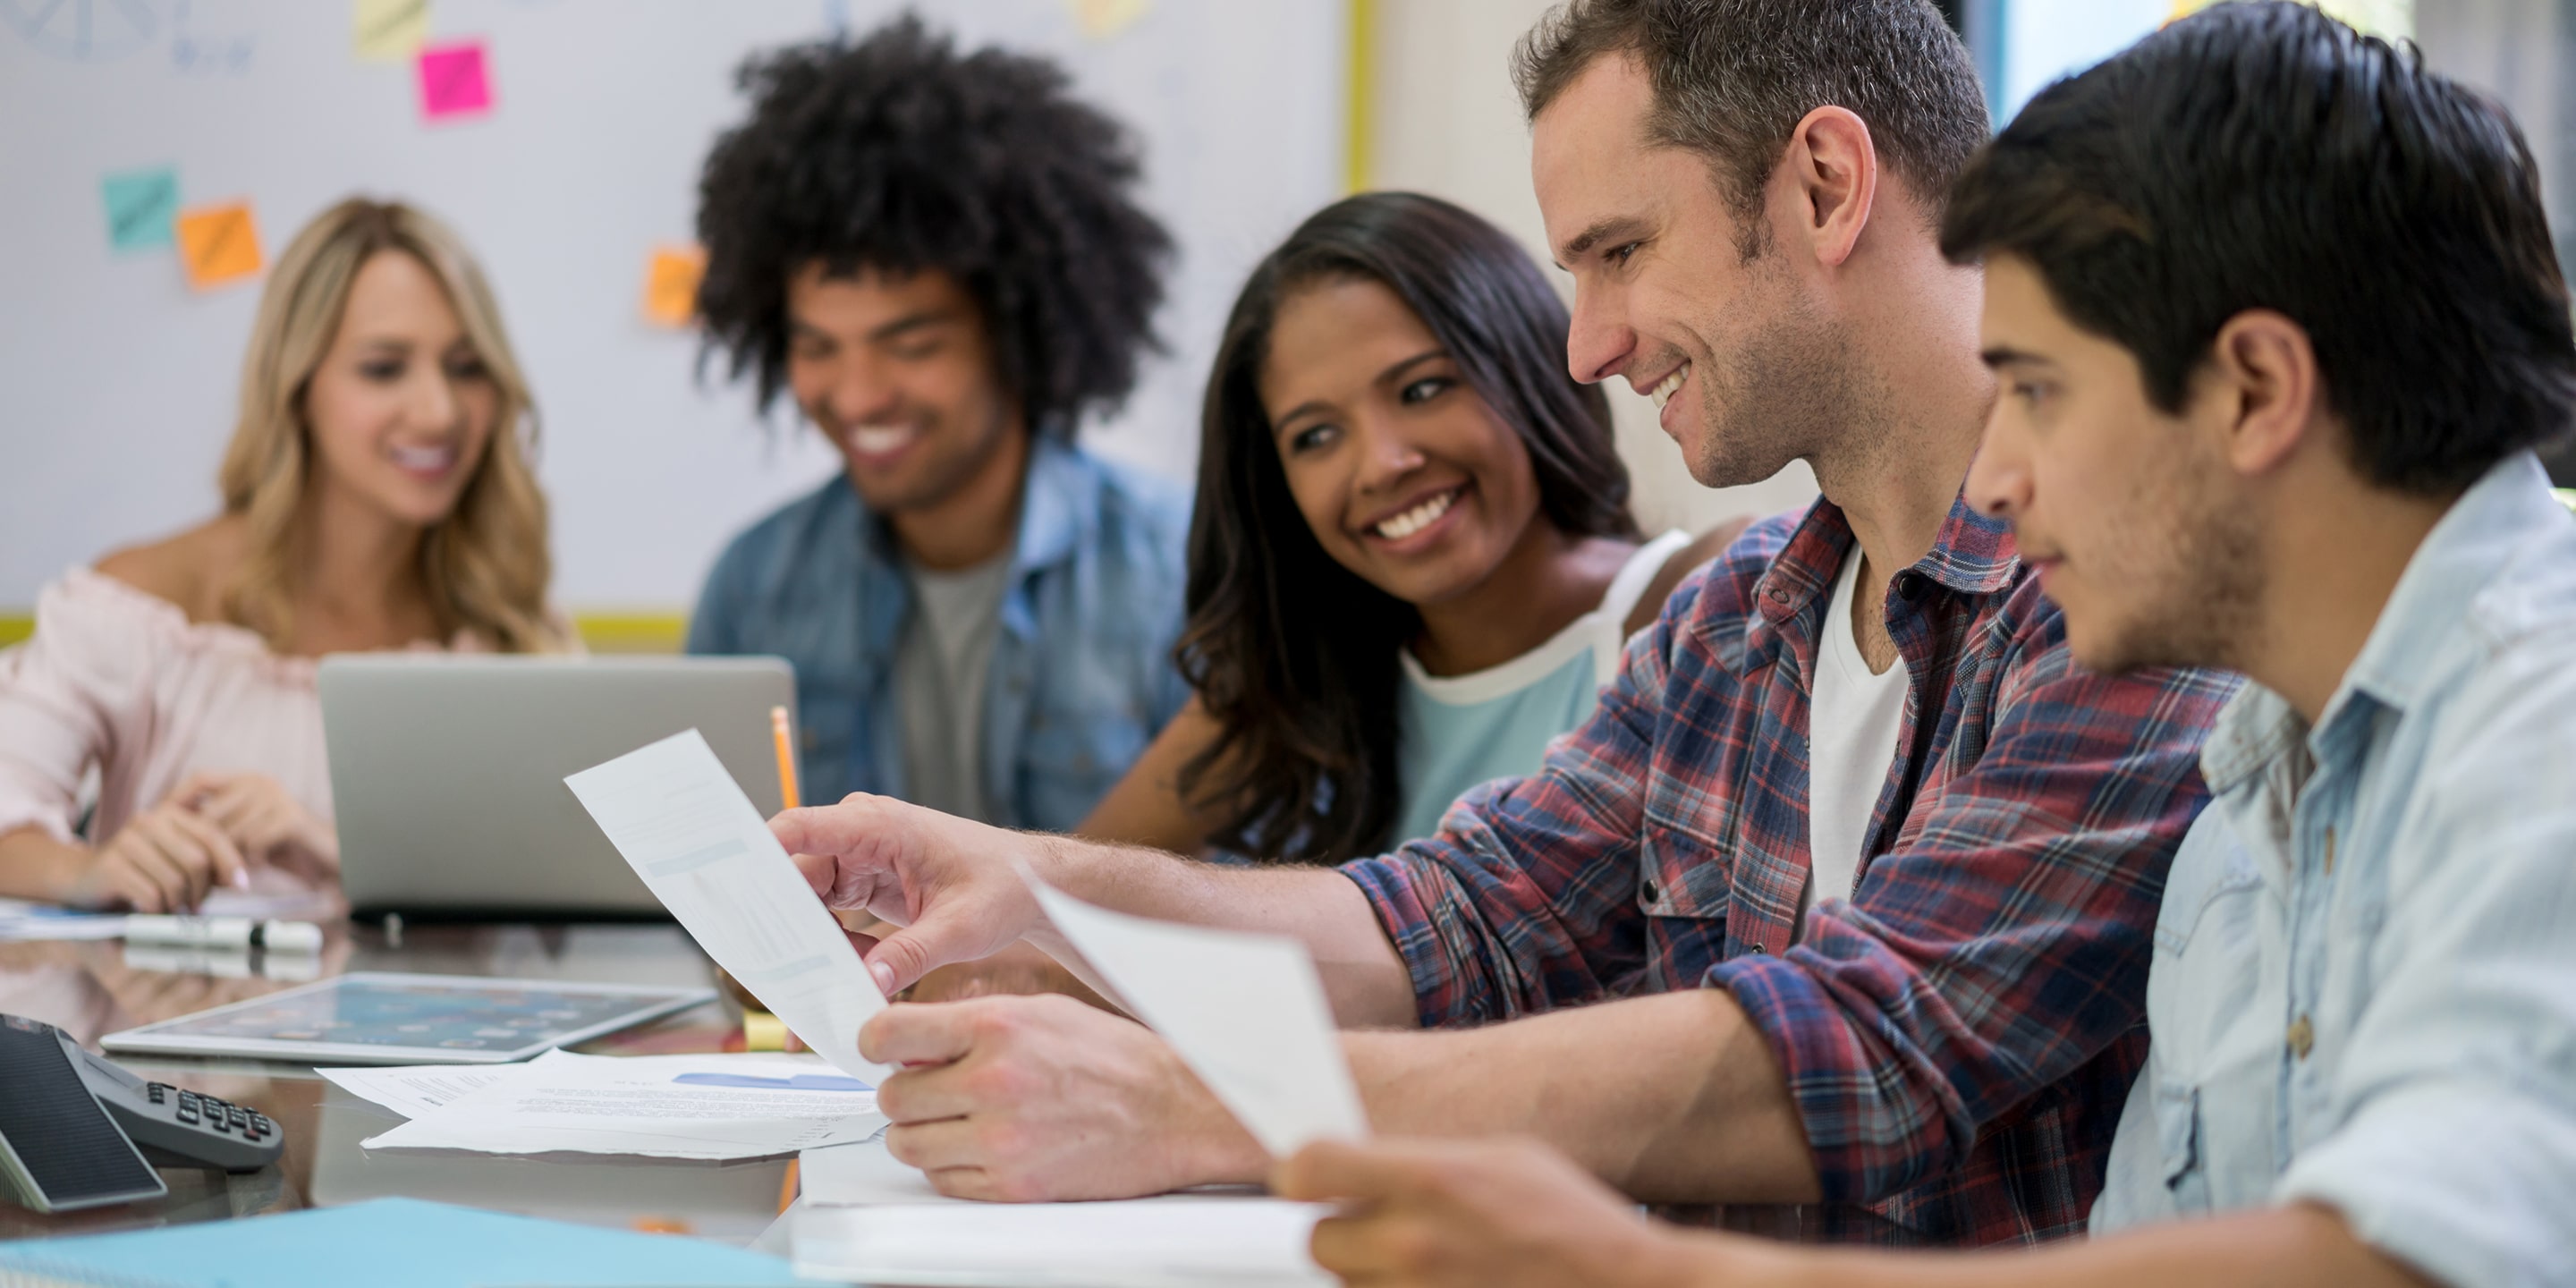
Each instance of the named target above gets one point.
<point>142,205</point>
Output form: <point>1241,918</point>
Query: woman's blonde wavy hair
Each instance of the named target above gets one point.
<point>486,564</point>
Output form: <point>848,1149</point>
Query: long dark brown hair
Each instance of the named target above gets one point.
<point>1294,655</point>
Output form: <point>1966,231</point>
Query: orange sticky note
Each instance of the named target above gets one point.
<point>671,284</point>
<point>218,244</point>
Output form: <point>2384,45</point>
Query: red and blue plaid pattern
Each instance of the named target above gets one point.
<point>1961,1035</point>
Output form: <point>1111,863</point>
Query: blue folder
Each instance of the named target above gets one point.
<point>388,1243</point>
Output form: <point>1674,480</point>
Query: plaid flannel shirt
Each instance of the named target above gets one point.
<point>1960,1036</point>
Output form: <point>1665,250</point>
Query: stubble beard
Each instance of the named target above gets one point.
<point>947,471</point>
<point>2205,588</point>
<point>1791,389</point>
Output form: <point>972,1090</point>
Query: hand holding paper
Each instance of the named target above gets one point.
<point>1245,1011</point>
<point>948,883</point>
<point>685,827</point>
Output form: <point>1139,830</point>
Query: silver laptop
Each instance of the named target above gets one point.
<point>447,773</point>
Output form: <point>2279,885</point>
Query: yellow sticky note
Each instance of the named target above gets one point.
<point>671,284</point>
<point>388,31</point>
<point>218,244</point>
<point>1101,19</point>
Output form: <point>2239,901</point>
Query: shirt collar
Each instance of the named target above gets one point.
<point>1972,555</point>
<point>1058,501</point>
<point>2499,516</point>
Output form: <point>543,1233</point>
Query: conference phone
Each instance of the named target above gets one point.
<point>76,1131</point>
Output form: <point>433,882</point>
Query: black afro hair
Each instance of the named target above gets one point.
<point>898,155</point>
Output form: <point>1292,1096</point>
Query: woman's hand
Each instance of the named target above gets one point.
<point>266,823</point>
<point>163,860</point>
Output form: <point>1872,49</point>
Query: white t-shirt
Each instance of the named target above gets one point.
<point>1851,743</point>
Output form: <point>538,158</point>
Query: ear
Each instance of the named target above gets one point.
<point>2265,371</point>
<point>1831,169</point>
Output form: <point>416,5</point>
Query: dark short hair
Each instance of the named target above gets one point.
<point>1294,655</point>
<point>898,154</point>
<point>2265,156</point>
<point>1732,78</point>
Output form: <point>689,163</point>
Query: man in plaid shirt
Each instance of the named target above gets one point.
<point>1739,190</point>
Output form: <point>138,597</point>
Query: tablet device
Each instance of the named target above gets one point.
<point>384,1018</point>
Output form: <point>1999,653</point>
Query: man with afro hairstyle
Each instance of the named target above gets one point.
<point>939,257</point>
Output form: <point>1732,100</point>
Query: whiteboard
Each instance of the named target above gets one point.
<point>120,381</point>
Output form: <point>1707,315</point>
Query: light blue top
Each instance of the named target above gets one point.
<point>2364,986</point>
<point>1081,676</point>
<point>1459,731</point>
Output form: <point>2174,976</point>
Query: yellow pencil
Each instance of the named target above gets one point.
<point>786,758</point>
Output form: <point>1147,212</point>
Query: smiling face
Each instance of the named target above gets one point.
<point>1691,304</point>
<point>401,408</point>
<point>1406,476</point>
<point>898,373</point>
<point>2136,525</point>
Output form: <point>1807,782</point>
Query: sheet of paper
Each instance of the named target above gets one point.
<point>864,1173</point>
<point>142,209</point>
<point>1141,1243</point>
<point>415,1089</point>
<point>660,1106</point>
<point>1246,1012</point>
<point>218,244</point>
<point>455,81</point>
<point>388,31</point>
<point>686,828</point>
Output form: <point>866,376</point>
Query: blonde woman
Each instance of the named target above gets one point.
<point>377,495</point>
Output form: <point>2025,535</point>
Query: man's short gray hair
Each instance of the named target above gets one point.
<point>1732,79</point>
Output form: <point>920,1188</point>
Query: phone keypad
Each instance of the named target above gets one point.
<point>219,1116</point>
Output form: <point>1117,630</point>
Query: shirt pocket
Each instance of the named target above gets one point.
<point>1678,873</point>
<point>2178,1139</point>
<point>2196,884</point>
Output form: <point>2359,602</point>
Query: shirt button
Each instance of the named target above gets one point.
<point>1779,596</point>
<point>1907,586</point>
<point>1649,892</point>
<point>2303,1037</point>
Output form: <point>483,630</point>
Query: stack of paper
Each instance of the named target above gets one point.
<point>1141,1243</point>
<point>667,1106</point>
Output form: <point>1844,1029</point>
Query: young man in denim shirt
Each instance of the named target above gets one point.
<point>939,258</point>
<point>2278,323</point>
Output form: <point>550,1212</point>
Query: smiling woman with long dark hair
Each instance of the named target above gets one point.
<point>1412,562</point>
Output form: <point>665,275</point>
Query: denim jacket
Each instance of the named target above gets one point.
<point>1082,674</point>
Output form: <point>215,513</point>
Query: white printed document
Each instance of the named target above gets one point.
<point>414,1089</point>
<point>661,1106</point>
<point>685,827</point>
<point>1245,1011</point>
<point>1141,1243</point>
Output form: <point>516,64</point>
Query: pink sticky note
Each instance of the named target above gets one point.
<point>454,81</point>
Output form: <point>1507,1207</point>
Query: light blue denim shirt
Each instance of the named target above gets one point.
<point>1082,674</point>
<point>2364,985</point>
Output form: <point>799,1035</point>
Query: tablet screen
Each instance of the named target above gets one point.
<point>410,1019</point>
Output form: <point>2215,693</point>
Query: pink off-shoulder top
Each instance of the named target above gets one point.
<point>120,679</point>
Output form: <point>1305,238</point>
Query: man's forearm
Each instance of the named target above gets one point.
<point>1365,979</point>
<point>1673,1098</point>
<point>2283,1247</point>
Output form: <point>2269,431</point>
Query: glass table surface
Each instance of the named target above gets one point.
<point>94,988</point>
